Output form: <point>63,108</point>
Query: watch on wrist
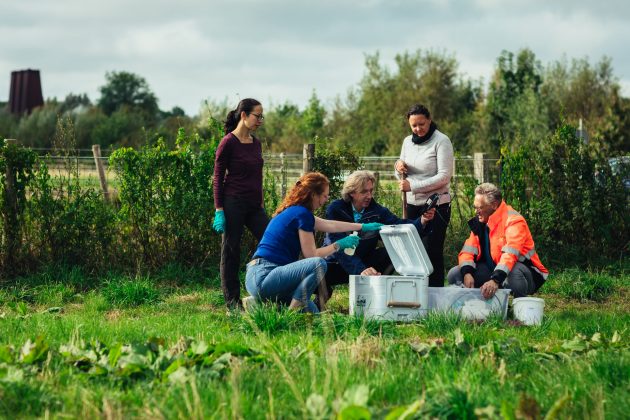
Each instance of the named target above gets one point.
<point>335,246</point>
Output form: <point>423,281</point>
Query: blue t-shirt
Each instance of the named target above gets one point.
<point>280,243</point>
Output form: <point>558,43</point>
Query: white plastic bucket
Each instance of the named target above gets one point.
<point>528,310</point>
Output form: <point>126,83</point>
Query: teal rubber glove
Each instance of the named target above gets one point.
<point>371,227</point>
<point>219,221</point>
<point>351,241</point>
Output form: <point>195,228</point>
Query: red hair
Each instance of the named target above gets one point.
<point>302,193</point>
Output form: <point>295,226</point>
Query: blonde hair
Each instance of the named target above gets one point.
<point>490,191</point>
<point>355,181</point>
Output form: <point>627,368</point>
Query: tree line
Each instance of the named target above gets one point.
<point>523,102</point>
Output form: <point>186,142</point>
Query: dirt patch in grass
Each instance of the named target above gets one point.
<point>73,307</point>
<point>365,351</point>
<point>113,315</point>
<point>617,302</point>
<point>188,298</point>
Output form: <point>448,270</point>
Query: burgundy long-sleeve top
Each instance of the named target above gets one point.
<point>238,170</point>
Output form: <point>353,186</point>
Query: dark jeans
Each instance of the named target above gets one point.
<point>335,273</point>
<point>239,212</point>
<point>434,242</point>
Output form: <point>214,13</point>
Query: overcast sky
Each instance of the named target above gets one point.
<point>282,50</point>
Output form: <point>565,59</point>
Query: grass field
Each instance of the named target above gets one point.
<point>164,347</point>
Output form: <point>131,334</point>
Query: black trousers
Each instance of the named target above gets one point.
<point>239,212</point>
<point>434,242</point>
<point>335,273</point>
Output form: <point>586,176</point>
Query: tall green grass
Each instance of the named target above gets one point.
<point>283,364</point>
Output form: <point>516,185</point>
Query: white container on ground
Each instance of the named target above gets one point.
<point>469,303</point>
<point>395,298</point>
<point>528,310</point>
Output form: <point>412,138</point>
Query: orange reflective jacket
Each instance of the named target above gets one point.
<point>510,241</point>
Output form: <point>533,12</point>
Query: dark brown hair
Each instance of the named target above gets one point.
<point>246,105</point>
<point>419,109</point>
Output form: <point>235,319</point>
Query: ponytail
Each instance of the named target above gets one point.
<point>234,117</point>
<point>231,121</point>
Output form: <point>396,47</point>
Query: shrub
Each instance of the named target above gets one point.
<point>272,318</point>
<point>574,215</point>
<point>19,164</point>
<point>69,223</point>
<point>124,292</point>
<point>334,163</point>
<point>166,201</point>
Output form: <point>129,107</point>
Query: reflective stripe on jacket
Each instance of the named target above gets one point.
<point>510,241</point>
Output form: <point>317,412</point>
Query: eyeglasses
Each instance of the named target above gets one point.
<point>259,117</point>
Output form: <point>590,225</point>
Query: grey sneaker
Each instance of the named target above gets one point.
<point>249,303</point>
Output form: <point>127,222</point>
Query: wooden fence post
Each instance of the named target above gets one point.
<point>10,213</point>
<point>283,176</point>
<point>454,169</point>
<point>480,168</point>
<point>308,157</point>
<point>96,151</point>
<point>377,176</point>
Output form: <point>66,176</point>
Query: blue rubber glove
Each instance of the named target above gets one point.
<point>370,227</point>
<point>351,241</point>
<point>219,221</point>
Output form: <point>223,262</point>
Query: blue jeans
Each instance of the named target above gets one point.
<point>267,281</point>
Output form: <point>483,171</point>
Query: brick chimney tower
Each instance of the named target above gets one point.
<point>26,91</point>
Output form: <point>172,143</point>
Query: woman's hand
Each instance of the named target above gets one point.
<point>404,185</point>
<point>219,221</point>
<point>401,167</point>
<point>351,241</point>
<point>427,217</point>
<point>371,227</point>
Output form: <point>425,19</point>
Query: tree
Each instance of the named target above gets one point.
<point>73,102</point>
<point>514,111</point>
<point>373,119</point>
<point>130,90</point>
<point>287,128</point>
<point>312,119</point>
<point>591,93</point>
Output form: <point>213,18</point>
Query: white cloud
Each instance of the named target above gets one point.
<point>167,40</point>
<point>281,50</point>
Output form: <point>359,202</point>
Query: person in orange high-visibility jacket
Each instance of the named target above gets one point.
<point>500,249</point>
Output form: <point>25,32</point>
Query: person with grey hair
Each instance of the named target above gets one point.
<point>500,252</point>
<point>357,205</point>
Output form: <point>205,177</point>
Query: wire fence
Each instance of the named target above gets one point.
<point>288,165</point>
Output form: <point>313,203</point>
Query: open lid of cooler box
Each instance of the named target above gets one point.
<point>405,249</point>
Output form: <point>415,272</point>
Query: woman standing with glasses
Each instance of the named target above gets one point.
<point>238,192</point>
<point>425,168</point>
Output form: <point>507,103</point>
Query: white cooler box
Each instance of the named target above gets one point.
<point>395,298</point>
<point>468,302</point>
